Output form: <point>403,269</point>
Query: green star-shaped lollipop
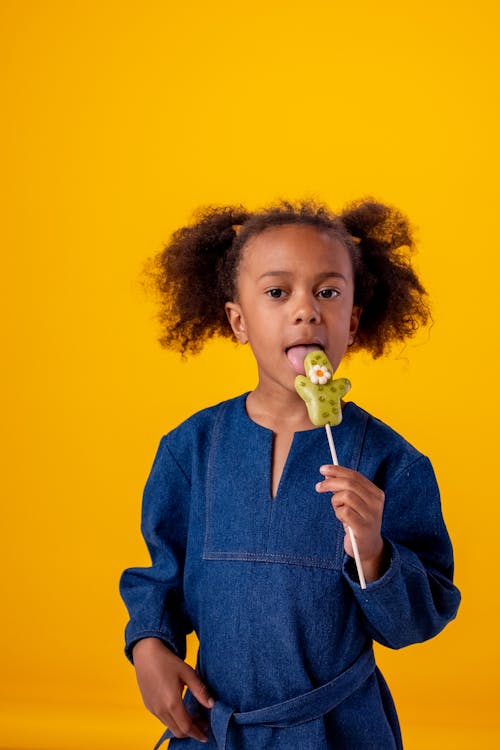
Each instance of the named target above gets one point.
<point>321,394</point>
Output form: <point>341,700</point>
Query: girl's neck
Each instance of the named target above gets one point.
<point>280,410</point>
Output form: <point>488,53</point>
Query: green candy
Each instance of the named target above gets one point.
<point>322,398</point>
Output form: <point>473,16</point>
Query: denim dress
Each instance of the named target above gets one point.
<point>284,628</point>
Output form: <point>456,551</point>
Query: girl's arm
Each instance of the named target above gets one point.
<point>154,595</point>
<point>410,596</point>
<point>156,633</point>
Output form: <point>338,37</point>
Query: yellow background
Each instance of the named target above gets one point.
<point>119,118</point>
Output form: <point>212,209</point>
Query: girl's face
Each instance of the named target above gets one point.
<point>295,291</point>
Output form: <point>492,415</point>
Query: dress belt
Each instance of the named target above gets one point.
<point>298,710</point>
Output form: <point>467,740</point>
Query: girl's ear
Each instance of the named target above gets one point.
<point>236,321</point>
<point>353,327</point>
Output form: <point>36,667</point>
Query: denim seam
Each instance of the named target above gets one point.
<point>209,479</point>
<point>357,450</point>
<point>275,558</point>
<point>142,633</point>
<point>177,464</point>
<point>409,466</point>
<point>150,633</point>
<point>413,565</point>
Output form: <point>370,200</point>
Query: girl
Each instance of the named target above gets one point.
<point>244,550</point>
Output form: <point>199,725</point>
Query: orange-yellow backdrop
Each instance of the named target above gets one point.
<point>119,118</point>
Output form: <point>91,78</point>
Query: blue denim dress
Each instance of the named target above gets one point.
<point>285,629</point>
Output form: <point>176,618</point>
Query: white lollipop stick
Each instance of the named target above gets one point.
<point>354,543</point>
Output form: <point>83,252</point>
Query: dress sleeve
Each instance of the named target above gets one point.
<point>415,597</point>
<point>154,595</point>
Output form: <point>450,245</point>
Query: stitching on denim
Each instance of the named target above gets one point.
<point>359,444</point>
<point>413,565</point>
<point>181,469</point>
<point>270,557</point>
<point>437,515</point>
<point>283,555</point>
<point>164,634</point>
<point>407,467</point>
<point>209,479</point>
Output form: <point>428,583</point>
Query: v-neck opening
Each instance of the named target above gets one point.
<point>284,470</point>
<point>271,435</point>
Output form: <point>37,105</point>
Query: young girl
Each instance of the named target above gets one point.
<point>244,550</point>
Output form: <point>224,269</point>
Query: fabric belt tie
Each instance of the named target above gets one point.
<point>298,710</point>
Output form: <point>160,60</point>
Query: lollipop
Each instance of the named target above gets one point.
<point>322,398</point>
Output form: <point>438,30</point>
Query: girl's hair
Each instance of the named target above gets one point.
<point>196,273</point>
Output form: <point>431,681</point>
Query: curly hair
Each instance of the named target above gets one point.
<point>196,273</point>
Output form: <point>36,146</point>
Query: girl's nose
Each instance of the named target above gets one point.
<point>307,311</point>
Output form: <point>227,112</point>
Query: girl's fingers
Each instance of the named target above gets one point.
<point>363,502</point>
<point>350,516</point>
<point>190,726</point>
<point>170,723</point>
<point>197,687</point>
<point>341,478</point>
<point>353,489</point>
<point>183,725</point>
<point>343,503</point>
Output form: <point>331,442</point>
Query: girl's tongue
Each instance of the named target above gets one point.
<point>296,356</point>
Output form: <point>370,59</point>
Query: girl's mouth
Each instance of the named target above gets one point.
<point>296,355</point>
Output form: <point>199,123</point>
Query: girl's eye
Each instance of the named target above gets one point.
<point>328,293</point>
<point>275,293</point>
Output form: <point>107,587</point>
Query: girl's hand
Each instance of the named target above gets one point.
<point>161,676</point>
<point>357,503</point>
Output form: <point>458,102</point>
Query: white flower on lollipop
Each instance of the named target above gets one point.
<point>319,375</point>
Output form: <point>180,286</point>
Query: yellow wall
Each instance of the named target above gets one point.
<point>119,118</point>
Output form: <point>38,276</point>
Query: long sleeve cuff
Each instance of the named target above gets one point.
<point>133,635</point>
